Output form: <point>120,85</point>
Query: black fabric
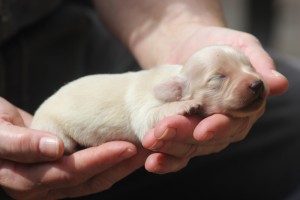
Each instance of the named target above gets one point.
<point>67,44</point>
<point>70,42</point>
<point>16,14</point>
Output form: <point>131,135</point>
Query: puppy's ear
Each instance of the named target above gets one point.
<point>170,90</point>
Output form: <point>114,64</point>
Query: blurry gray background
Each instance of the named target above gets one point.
<point>275,22</point>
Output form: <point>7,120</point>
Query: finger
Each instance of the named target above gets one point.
<point>173,135</point>
<point>9,113</point>
<point>161,163</point>
<point>28,146</point>
<point>264,64</point>
<point>104,180</point>
<point>173,128</point>
<point>176,149</point>
<point>24,145</point>
<point>176,128</point>
<point>182,150</point>
<point>69,171</point>
<point>181,143</point>
<point>219,126</point>
<point>84,164</point>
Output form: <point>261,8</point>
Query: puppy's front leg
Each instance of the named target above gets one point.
<point>188,107</point>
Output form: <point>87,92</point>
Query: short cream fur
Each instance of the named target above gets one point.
<point>98,108</point>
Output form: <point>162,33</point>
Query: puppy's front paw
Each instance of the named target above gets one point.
<point>190,108</point>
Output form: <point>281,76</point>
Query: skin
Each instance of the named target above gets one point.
<point>179,29</point>
<point>34,167</point>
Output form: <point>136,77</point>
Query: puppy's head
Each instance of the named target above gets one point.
<point>220,79</point>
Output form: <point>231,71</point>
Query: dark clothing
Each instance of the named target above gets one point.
<point>16,14</point>
<point>70,42</point>
<point>51,51</point>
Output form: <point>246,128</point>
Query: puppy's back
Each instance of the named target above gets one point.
<point>84,105</point>
<point>99,108</point>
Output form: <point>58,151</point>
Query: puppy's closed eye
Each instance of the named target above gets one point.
<point>215,81</point>
<point>217,77</point>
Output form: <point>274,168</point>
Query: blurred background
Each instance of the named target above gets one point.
<point>274,22</point>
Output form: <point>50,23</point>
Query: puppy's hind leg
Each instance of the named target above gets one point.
<point>50,126</point>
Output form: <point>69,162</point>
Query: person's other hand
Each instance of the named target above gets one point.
<point>177,139</point>
<point>32,165</point>
<point>20,143</point>
<point>85,172</point>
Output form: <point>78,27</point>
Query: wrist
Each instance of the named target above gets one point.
<point>159,42</point>
<point>165,46</point>
<point>153,28</point>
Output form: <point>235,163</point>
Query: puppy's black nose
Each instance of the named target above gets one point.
<point>257,87</point>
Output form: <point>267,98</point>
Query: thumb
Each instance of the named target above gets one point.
<point>264,64</point>
<point>25,145</point>
<point>21,144</point>
<point>277,82</point>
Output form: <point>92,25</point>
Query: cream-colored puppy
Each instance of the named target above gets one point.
<point>100,108</point>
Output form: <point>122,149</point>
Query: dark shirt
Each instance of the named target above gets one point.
<point>17,14</point>
<point>54,44</point>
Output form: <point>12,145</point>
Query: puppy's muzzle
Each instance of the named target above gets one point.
<point>257,87</point>
<point>258,95</point>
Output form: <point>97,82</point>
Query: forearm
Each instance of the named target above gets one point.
<point>149,27</point>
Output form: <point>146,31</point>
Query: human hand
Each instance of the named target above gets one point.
<point>31,168</point>
<point>188,137</point>
<point>177,139</point>
<point>21,144</point>
<point>85,172</point>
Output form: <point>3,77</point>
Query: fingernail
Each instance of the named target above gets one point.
<point>277,74</point>
<point>209,135</point>
<point>49,147</point>
<point>158,144</point>
<point>128,153</point>
<point>167,134</point>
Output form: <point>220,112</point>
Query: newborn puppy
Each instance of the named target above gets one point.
<point>100,108</point>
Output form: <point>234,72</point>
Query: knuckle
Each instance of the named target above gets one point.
<point>17,143</point>
<point>24,143</point>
